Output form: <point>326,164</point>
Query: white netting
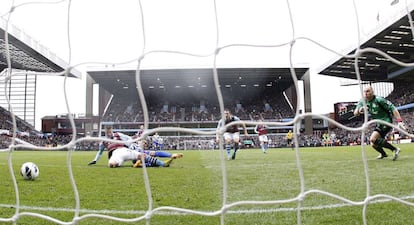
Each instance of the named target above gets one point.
<point>278,37</point>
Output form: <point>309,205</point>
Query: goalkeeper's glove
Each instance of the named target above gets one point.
<point>401,124</point>
<point>361,110</point>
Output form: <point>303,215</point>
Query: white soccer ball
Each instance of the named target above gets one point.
<point>29,171</point>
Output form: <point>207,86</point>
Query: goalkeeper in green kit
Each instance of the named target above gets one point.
<point>381,109</point>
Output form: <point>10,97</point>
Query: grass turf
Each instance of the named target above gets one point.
<point>195,182</point>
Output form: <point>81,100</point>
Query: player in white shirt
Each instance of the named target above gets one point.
<point>155,141</point>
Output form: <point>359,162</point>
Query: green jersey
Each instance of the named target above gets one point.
<point>379,108</point>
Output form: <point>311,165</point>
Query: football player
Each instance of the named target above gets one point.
<point>232,133</point>
<point>381,109</point>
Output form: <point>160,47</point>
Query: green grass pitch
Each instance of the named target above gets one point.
<point>195,182</point>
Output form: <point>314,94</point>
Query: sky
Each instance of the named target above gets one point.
<point>92,33</point>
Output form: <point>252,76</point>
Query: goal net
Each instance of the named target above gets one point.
<point>163,34</point>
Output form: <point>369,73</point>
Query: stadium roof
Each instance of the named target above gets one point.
<point>28,54</point>
<point>116,81</point>
<point>395,39</point>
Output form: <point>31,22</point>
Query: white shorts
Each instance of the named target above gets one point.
<point>231,136</point>
<point>120,155</point>
<point>263,138</point>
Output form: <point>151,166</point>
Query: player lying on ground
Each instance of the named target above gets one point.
<point>121,154</point>
<point>142,146</point>
<point>133,146</point>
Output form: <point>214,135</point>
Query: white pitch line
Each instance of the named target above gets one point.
<point>250,211</point>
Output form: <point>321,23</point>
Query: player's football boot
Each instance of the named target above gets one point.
<point>382,156</point>
<point>396,154</point>
<point>138,164</point>
<point>177,155</point>
<point>92,163</point>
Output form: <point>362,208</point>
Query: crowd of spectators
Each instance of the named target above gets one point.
<point>402,94</point>
<point>122,110</point>
<point>6,122</point>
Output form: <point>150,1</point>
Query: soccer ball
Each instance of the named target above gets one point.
<point>29,171</point>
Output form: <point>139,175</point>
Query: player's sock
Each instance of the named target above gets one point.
<point>162,154</point>
<point>228,150</point>
<point>265,147</point>
<point>153,162</point>
<point>236,147</point>
<point>380,150</point>
<point>384,143</point>
<point>167,163</point>
<point>160,163</point>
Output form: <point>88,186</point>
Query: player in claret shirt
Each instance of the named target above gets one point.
<point>131,151</point>
<point>110,134</point>
<point>232,133</point>
<point>261,130</point>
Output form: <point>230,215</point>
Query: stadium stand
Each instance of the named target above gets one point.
<point>27,57</point>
